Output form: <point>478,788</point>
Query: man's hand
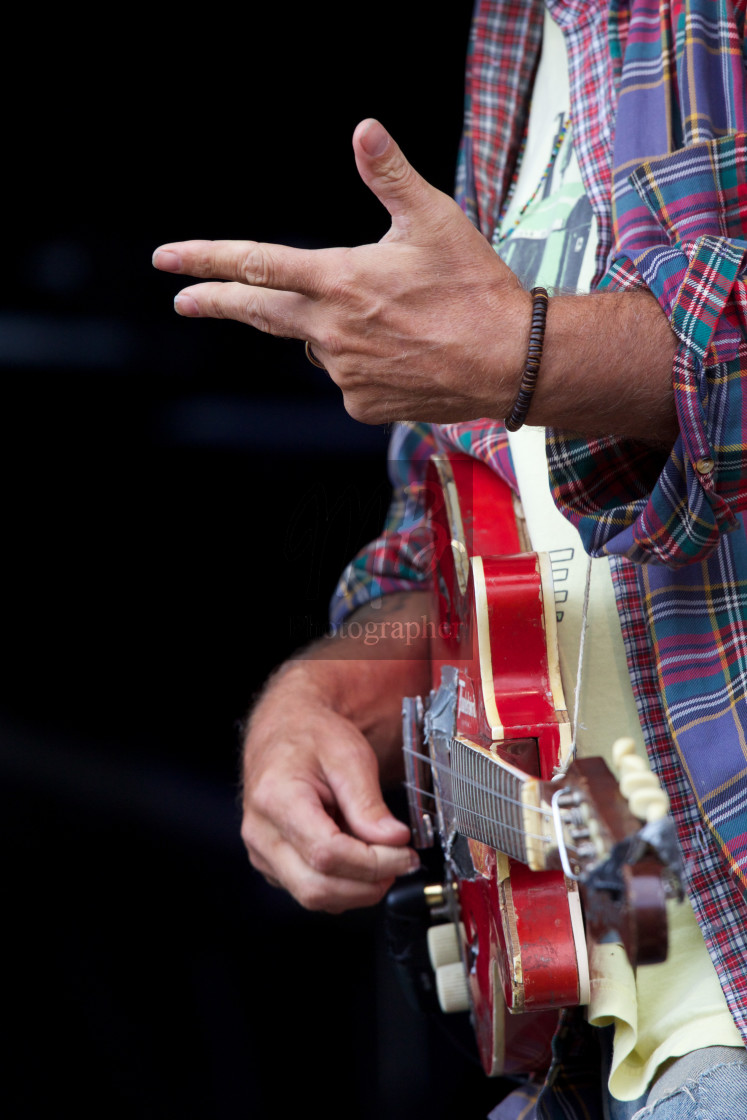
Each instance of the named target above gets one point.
<point>315,821</point>
<point>428,324</point>
<point>319,742</point>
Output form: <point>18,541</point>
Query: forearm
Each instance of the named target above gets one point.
<point>606,367</point>
<point>322,738</point>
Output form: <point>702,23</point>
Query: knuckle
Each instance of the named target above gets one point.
<point>398,172</point>
<point>249,832</point>
<point>332,345</point>
<point>204,257</point>
<point>321,858</point>
<point>343,279</point>
<point>340,289</point>
<point>354,407</point>
<point>361,409</point>
<point>251,843</point>
<point>256,267</point>
<point>214,299</point>
<point>247,836</point>
<point>312,897</point>
<point>254,312</point>
<point>218,308</point>
<point>262,797</point>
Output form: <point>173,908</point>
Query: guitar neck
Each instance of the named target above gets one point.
<point>487,796</point>
<point>536,822</point>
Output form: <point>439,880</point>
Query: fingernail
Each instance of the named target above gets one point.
<point>375,139</point>
<point>167,260</point>
<point>185,305</point>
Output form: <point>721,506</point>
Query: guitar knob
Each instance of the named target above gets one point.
<point>452,988</point>
<point>443,944</point>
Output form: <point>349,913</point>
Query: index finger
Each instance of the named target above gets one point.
<point>249,262</point>
<point>331,852</point>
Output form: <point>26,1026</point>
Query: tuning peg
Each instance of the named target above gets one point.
<point>622,748</point>
<point>646,799</point>
<point>650,804</point>
<point>634,774</point>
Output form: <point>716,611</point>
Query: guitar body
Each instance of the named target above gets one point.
<point>525,830</point>
<point>521,930</point>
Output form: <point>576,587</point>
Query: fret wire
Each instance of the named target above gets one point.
<point>446,769</point>
<point>481,816</point>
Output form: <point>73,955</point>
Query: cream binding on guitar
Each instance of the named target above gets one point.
<point>541,852</point>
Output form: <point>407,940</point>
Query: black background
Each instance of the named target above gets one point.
<point>178,499</point>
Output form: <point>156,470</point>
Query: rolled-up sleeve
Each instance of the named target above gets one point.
<point>626,497</point>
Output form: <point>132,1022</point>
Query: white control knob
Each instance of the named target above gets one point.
<point>452,988</point>
<point>443,944</point>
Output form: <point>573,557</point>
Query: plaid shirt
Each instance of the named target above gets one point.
<point>659,116</point>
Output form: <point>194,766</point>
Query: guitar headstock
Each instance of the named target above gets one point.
<point>617,840</point>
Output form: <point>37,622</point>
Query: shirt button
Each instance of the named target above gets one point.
<point>705,466</point>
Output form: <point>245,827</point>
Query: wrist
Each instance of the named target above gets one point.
<point>607,367</point>
<point>509,350</point>
<point>520,408</point>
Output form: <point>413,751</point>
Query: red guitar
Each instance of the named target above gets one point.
<point>540,853</point>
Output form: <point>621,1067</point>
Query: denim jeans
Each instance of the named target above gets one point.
<point>708,1084</point>
<point>699,1091</point>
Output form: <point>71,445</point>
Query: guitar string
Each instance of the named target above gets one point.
<point>498,797</point>
<point>434,764</point>
<point>559,771</point>
<point>522,833</point>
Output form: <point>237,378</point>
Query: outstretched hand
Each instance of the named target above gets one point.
<point>427,324</point>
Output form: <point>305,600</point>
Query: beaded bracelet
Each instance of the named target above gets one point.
<point>531,366</point>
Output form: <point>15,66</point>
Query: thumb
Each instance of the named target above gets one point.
<point>385,171</point>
